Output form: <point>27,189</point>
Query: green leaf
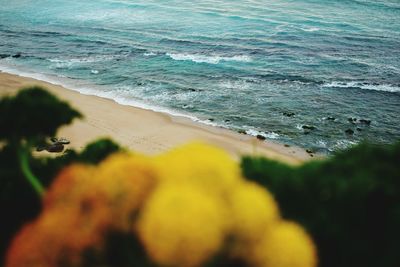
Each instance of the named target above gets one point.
<point>350,203</point>
<point>33,113</point>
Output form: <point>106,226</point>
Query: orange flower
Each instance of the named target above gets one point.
<point>70,186</point>
<point>60,237</point>
<point>121,183</point>
<point>184,206</point>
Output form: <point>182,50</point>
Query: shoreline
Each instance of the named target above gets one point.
<point>147,131</point>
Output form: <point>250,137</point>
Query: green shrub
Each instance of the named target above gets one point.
<point>350,203</point>
<point>33,113</point>
<point>26,120</point>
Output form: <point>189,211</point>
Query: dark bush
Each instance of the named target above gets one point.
<point>350,203</point>
<point>27,119</point>
<point>33,113</point>
<point>97,151</point>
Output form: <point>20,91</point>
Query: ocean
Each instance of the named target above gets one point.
<point>323,75</point>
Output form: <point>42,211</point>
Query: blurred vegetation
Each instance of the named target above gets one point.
<point>185,207</point>
<point>26,120</point>
<point>350,203</point>
<point>32,115</point>
<point>17,198</point>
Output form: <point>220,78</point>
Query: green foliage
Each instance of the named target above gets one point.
<point>33,113</point>
<point>97,151</point>
<point>48,167</point>
<point>27,119</point>
<point>124,250</point>
<point>17,199</point>
<point>350,203</point>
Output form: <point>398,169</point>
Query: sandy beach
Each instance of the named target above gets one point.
<point>147,131</point>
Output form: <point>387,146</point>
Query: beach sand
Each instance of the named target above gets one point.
<point>147,131</point>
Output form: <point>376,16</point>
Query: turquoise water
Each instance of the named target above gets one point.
<point>267,67</point>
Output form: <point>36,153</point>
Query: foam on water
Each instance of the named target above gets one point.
<point>268,135</point>
<point>91,89</point>
<point>149,54</point>
<point>377,87</point>
<point>211,59</point>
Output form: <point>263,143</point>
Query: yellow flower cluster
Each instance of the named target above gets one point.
<point>186,207</point>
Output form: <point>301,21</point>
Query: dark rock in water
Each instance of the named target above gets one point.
<point>288,114</point>
<point>17,55</point>
<point>286,145</point>
<point>210,119</point>
<point>366,122</point>
<point>308,127</point>
<point>359,129</point>
<point>352,120</point>
<point>227,120</point>
<point>349,131</point>
<point>309,151</point>
<point>242,131</point>
<point>330,119</point>
<point>4,56</point>
<point>55,148</point>
<point>260,137</point>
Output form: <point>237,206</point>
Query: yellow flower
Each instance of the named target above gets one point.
<point>126,180</point>
<point>285,245</point>
<point>253,211</point>
<point>183,205</point>
<point>203,165</point>
<point>181,225</point>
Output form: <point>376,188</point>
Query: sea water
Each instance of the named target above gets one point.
<point>268,67</point>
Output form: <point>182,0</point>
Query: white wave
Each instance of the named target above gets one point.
<point>311,29</point>
<point>342,144</point>
<point>272,135</point>
<point>211,59</point>
<point>322,143</point>
<point>28,74</point>
<point>234,85</point>
<point>377,87</point>
<point>149,54</point>
<point>69,62</point>
<point>269,135</point>
<point>90,89</point>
